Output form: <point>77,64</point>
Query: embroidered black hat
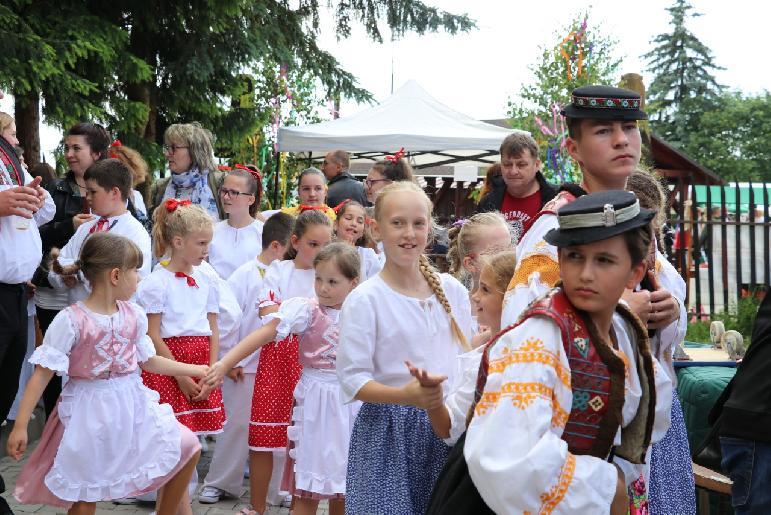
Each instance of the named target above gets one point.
<point>597,217</point>
<point>604,103</point>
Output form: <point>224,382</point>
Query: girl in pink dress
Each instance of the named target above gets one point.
<point>108,437</point>
<point>321,423</point>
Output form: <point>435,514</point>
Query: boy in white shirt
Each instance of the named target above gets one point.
<point>108,187</point>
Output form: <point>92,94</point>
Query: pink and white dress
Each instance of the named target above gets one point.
<point>321,424</point>
<point>109,437</point>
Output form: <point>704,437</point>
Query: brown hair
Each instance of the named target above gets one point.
<point>181,221</point>
<point>515,144</point>
<point>574,127</point>
<point>397,170</point>
<point>198,140</point>
<point>133,160</point>
<point>253,186</point>
<point>342,158</point>
<point>465,236</point>
<point>109,174</point>
<point>5,120</point>
<point>277,228</point>
<point>344,256</point>
<point>96,136</point>
<point>44,171</point>
<point>493,171</point>
<point>305,221</point>
<point>102,251</point>
<point>366,238</point>
<point>430,274</point>
<point>638,242</point>
<point>502,264</point>
<point>650,192</point>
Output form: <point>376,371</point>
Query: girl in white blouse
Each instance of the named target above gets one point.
<point>406,312</point>
<point>238,239</point>
<point>350,227</point>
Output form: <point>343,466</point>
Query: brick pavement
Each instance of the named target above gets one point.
<point>10,470</point>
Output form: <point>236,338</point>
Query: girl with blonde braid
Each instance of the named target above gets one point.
<point>407,312</point>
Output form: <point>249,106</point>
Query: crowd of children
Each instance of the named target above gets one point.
<point>331,358</point>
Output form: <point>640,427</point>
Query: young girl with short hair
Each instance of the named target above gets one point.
<point>279,368</point>
<point>108,437</point>
<point>406,312</point>
<point>182,303</point>
<point>320,433</point>
<point>351,227</point>
<point>238,239</point>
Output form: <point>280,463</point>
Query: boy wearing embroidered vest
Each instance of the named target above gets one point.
<point>108,187</point>
<point>572,382</point>
<point>604,139</point>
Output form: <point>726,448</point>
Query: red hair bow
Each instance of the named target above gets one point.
<point>394,158</point>
<point>190,281</point>
<point>255,173</point>
<point>304,207</point>
<point>172,204</point>
<point>114,144</point>
<point>340,205</point>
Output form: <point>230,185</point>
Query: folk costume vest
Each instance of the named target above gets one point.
<point>597,382</point>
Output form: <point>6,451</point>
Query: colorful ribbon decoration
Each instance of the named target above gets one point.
<point>172,204</point>
<point>304,207</point>
<point>114,144</point>
<point>190,281</point>
<point>394,158</point>
<point>340,205</point>
<point>577,37</point>
<point>255,173</point>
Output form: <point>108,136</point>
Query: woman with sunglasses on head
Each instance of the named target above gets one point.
<point>194,175</point>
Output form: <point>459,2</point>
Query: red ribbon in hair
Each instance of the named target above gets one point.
<point>303,207</point>
<point>394,158</point>
<point>172,204</point>
<point>224,168</point>
<point>255,173</point>
<point>114,144</point>
<point>190,281</point>
<point>340,205</point>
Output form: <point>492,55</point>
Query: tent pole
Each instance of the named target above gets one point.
<point>277,158</point>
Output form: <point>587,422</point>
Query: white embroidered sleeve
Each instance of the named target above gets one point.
<point>294,316</point>
<point>461,395</point>
<point>513,448</point>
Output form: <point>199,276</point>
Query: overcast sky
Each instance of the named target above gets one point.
<point>476,73</point>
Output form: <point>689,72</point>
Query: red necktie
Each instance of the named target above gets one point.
<point>190,281</point>
<point>102,225</point>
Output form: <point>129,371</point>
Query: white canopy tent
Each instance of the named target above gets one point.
<point>431,133</point>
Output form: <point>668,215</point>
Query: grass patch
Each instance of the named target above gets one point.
<point>739,317</point>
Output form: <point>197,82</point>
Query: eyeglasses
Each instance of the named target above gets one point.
<point>371,182</point>
<point>226,192</point>
<point>171,149</point>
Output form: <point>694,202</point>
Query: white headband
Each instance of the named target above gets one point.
<point>608,218</point>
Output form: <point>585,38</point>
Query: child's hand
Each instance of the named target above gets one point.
<point>482,337</point>
<point>204,393</point>
<point>423,377</point>
<point>425,397</point>
<point>236,374</point>
<point>214,376</point>
<point>620,504</point>
<point>17,443</point>
<point>189,387</point>
<point>70,280</point>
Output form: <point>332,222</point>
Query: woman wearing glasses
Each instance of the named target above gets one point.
<point>384,172</point>
<point>194,175</point>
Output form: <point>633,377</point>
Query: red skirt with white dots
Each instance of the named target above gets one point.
<point>277,374</point>
<point>201,417</point>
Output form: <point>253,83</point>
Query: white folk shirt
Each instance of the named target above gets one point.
<point>21,249</point>
<point>380,328</point>
<point>247,283</point>
<point>283,281</point>
<point>230,314</point>
<point>183,308</point>
<point>122,225</point>
<point>370,263</point>
<point>524,398</point>
<point>231,247</point>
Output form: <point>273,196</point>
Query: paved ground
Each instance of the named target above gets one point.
<point>10,470</point>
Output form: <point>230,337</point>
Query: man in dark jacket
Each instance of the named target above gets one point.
<point>521,190</point>
<point>745,429</point>
<point>342,185</point>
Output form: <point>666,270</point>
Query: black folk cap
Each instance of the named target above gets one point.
<point>597,217</point>
<point>604,103</point>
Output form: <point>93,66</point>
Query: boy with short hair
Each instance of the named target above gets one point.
<point>523,190</point>
<point>108,187</point>
<point>226,472</point>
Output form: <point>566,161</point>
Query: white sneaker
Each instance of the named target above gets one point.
<point>210,495</point>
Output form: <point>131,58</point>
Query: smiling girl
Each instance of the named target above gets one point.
<point>351,227</point>
<point>312,194</point>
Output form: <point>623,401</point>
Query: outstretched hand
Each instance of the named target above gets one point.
<point>424,378</point>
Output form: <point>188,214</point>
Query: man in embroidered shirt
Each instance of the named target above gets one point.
<point>342,186</point>
<point>524,190</point>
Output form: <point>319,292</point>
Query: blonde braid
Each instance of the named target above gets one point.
<point>435,283</point>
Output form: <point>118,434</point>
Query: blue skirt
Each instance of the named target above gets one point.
<point>671,490</point>
<point>393,462</point>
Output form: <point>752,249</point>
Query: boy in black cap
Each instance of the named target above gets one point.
<point>565,404</point>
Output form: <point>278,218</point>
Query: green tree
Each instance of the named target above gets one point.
<point>683,86</point>
<point>579,55</point>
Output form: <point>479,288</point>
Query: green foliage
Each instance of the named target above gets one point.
<point>740,317</point>
<point>556,77</point>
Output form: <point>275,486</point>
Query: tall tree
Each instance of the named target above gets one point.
<point>683,86</point>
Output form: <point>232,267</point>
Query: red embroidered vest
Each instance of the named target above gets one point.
<point>597,381</point>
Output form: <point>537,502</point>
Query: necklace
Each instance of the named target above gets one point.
<point>83,186</point>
